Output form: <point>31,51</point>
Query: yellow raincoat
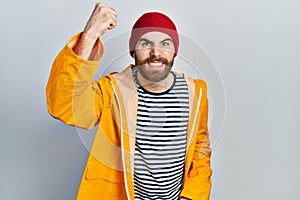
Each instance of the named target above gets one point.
<point>111,102</point>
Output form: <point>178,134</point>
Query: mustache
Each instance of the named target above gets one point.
<point>154,59</point>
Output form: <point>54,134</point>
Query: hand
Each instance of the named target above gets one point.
<point>103,18</point>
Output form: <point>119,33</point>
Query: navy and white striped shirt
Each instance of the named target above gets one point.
<point>160,147</point>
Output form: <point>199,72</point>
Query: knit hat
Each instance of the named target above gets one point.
<point>153,21</point>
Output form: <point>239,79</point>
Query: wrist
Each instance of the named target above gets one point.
<point>85,45</point>
<point>87,36</point>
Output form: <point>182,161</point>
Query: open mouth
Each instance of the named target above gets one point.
<point>155,64</point>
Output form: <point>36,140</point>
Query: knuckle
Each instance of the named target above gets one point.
<point>99,4</point>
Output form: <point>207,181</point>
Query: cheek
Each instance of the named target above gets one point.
<point>141,53</point>
<point>169,54</point>
<point>139,57</point>
<point>171,57</point>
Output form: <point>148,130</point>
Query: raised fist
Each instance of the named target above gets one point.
<point>103,18</point>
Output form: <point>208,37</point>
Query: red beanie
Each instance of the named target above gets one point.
<point>153,21</point>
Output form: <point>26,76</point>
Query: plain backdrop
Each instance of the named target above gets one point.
<point>247,51</point>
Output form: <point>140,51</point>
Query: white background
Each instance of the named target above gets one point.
<point>254,45</point>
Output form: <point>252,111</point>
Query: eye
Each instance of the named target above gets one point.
<point>166,43</point>
<point>146,44</point>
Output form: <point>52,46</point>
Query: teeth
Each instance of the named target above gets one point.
<point>156,64</point>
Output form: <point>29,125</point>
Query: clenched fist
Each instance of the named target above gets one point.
<point>103,18</point>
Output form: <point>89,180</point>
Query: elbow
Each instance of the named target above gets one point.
<point>66,113</point>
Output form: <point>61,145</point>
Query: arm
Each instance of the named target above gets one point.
<point>197,184</point>
<point>72,95</point>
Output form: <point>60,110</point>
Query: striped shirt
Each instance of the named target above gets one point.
<point>160,146</point>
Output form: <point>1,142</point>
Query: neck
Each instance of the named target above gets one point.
<point>156,87</point>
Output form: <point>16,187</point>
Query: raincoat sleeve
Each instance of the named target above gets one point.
<point>72,95</point>
<point>197,184</point>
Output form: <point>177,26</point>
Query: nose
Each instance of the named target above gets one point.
<point>156,51</point>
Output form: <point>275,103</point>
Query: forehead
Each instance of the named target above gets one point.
<point>155,36</point>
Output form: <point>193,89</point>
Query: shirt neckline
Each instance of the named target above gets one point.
<point>153,93</point>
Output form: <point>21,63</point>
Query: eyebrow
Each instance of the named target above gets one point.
<point>168,39</point>
<point>145,40</point>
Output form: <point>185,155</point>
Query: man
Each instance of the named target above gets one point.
<point>152,137</point>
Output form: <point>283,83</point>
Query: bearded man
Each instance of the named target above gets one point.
<point>152,138</point>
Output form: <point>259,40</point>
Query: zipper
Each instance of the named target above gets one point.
<point>122,140</point>
<point>193,130</point>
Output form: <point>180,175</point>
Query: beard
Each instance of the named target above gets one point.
<point>154,75</point>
